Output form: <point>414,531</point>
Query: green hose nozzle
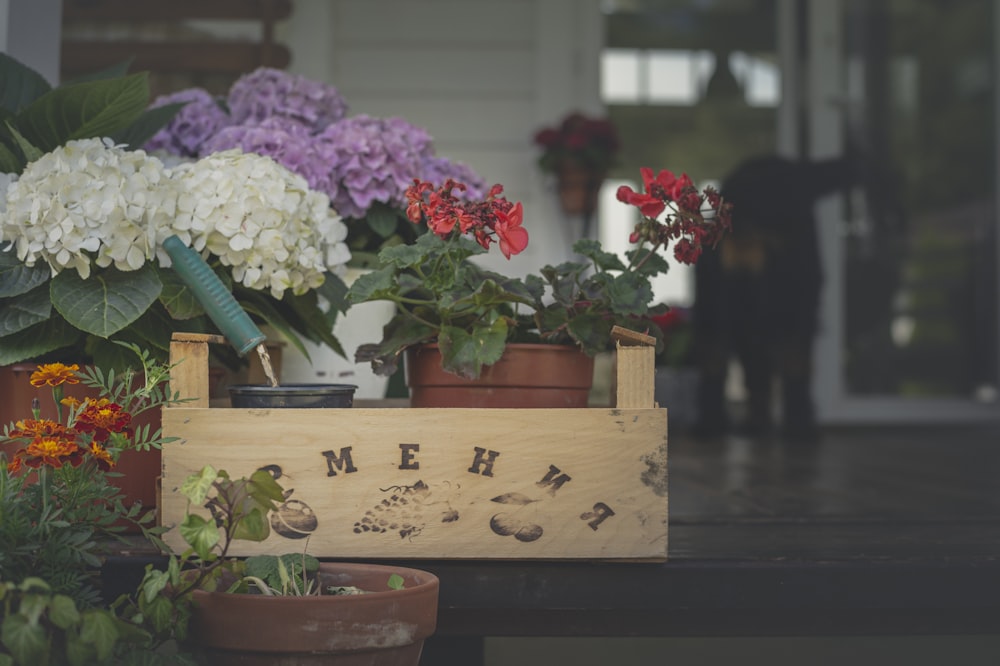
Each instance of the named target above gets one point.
<point>218,302</point>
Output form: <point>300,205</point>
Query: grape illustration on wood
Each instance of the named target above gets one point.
<point>406,511</point>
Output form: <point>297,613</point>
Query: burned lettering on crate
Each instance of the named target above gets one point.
<point>598,515</point>
<point>343,461</point>
<point>406,456</point>
<point>483,459</point>
<point>406,511</point>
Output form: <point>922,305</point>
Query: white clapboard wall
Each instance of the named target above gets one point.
<point>481,76</point>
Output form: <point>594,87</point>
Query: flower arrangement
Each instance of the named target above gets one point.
<point>104,211</point>
<point>58,499</point>
<point>439,294</point>
<point>472,313</point>
<point>362,163</point>
<point>578,140</point>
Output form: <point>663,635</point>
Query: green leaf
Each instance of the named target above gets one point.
<point>99,629</point>
<point>382,219</point>
<point>42,338</point>
<point>16,278</point>
<point>149,123</point>
<point>107,301</point>
<point>395,582</point>
<point>253,526</point>
<point>605,261</point>
<point>177,297</point>
<point>200,534</point>
<point>465,354</point>
<point>21,84</point>
<point>90,109</point>
<point>20,312</point>
<point>372,286</point>
<point>26,641</point>
<point>629,294</point>
<point>265,489</point>
<point>10,163</point>
<point>591,331</point>
<point>63,612</point>
<point>197,486</point>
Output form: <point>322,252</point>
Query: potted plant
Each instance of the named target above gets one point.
<point>85,267</point>
<point>578,151</point>
<point>474,315</point>
<point>363,163</point>
<point>61,513</point>
<point>277,609</point>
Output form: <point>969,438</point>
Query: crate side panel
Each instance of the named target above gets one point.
<point>440,483</point>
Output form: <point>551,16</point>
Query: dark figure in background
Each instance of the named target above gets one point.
<point>757,294</point>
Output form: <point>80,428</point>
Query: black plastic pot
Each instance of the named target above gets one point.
<point>263,396</point>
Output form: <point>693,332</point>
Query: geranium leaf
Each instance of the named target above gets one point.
<point>371,286</point>
<point>465,354</point>
<point>107,301</point>
<point>21,84</point>
<point>16,278</point>
<point>47,336</point>
<point>26,310</point>
<point>82,110</point>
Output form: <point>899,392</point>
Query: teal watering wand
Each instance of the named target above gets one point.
<point>219,303</point>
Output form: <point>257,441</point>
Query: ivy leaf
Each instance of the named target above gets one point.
<point>25,640</point>
<point>200,534</point>
<point>63,612</point>
<point>107,301</point>
<point>253,526</point>
<point>197,486</point>
<point>395,582</point>
<point>99,629</point>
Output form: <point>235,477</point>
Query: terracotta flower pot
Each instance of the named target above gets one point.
<point>528,375</point>
<point>578,188</point>
<point>384,628</point>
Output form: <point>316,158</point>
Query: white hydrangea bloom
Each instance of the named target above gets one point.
<point>260,219</point>
<point>88,201</point>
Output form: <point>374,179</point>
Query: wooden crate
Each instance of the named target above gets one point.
<point>438,483</point>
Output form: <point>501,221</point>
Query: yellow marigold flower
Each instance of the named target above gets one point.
<point>32,428</point>
<point>52,451</point>
<point>70,402</point>
<point>54,374</point>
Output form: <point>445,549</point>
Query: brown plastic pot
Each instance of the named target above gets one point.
<point>385,628</point>
<point>527,375</point>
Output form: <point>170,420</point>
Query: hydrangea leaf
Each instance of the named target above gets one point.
<point>382,219</point>
<point>16,278</point>
<point>148,124</point>
<point>88,109</point>
<point>26,310</point>
<point>107,301</point>
<point>42,338</point>
<point>177,297</point>
<point>21,84</point>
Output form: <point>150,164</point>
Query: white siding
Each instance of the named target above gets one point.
<point>482,76</point>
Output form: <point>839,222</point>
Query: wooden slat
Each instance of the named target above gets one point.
<point>175,10</point>
<point>229,57</point>
<point>439,483</point>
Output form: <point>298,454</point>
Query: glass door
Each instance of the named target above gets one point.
<point>909,86</point>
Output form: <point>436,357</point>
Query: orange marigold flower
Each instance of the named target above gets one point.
<point>104,460</point>
<point>52,451</point>
<point>102,417</point>
<point>33,428</point>
<point>54,374</point>
<point>14,466</point>
<point>70,402</point>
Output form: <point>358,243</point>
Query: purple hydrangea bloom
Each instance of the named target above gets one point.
<point>267,92</point>
<point>372,159</point>
<point>286,142</point>
<point>437,170</point>
<point>200,118</point>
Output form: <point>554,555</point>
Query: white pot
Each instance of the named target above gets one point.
<point>360,325</point>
